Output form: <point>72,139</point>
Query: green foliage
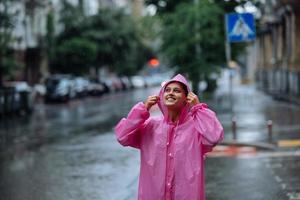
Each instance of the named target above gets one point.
<point>193,35</point>
<point>76,55</point>
<point>8,65</point>
<point>149,28</point>
<point>50,35</point>
<point>189,26</point>
<point>7,18</point>
<point>166,6</point>
<point>120,46</point>
<point>114,33</point>
<point>169,6</point>
<point>71,15</point>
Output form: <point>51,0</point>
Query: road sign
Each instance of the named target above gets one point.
<point>240,27</point>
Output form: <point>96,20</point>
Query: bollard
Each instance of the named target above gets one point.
<point>233,126</point>
<point>270,132</point>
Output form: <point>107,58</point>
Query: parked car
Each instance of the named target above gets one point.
<point>117,83</point>
<point>113,83</point>
<point>59,87</point>
<point>81,86</point>
<point>96,88</point>
<point>138,82</point>
<point>127,84</point>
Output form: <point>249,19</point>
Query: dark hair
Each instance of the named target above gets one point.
<point>182,85</point>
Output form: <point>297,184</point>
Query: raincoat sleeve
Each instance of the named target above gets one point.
<point>128,130</point>
<point>208,126</point>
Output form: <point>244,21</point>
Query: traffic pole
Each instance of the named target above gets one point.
<point>228,59</point>
<point>233,126</point>
<point>270,130</point>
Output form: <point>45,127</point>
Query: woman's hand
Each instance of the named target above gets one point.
<point>192,99</point>
<point>151,100</point>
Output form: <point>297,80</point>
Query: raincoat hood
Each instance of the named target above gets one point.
<point>181,79</point>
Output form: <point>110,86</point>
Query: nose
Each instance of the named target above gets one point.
<point>170,92</point>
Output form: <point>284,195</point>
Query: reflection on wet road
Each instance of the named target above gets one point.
<point>68,151</point>
<point>87,167</point>
<point>50,123</point>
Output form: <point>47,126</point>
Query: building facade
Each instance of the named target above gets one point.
<point>30,29</point>
<point>278,49</point>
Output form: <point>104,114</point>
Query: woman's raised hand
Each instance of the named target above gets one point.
<point>192,99</point>
<point>151,100</point>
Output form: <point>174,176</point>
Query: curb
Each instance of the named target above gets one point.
<point>258,145</point>
<point>289,98</point>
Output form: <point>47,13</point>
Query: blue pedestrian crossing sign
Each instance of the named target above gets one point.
<point>240,27</point>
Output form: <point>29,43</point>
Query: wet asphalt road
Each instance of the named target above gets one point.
<point>68,151</point>
<point>253,178</point>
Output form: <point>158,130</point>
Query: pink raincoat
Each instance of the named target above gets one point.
<point>172,154</point>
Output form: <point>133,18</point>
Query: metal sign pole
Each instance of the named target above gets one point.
<point>228,59</point>
<point>240,27</point>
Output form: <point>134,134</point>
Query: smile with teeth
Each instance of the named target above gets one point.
<point>171,98</point>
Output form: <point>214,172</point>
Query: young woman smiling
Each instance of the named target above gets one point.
<point>172,146</point>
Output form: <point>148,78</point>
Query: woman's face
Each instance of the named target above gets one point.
<point>174,96</point>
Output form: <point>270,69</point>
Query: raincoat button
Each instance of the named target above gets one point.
<point>170,154</point>
<point>169,184</point>
<point>168,143</point>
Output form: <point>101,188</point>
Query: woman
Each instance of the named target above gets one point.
<point>172,146</point>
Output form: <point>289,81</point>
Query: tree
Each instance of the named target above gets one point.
<point>7,17</point>
<point>169,6</point>
<point>114,33</point>
<point>181,36</point>
<point>50,35</point>
<point>129,51</point>
<point>193,36</point>
<point>70,51</point>
<point>76,56</point>
<point>166,6</point>
<point>71,16</point>
<point>119,45</point>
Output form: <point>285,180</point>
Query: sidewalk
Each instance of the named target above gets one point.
<point>252,111</point>
<point>251,167</point>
